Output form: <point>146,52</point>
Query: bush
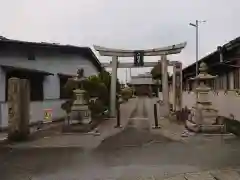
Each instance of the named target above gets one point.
<point>66,106</point>
<point>96,107</point>
<point>126,93</point>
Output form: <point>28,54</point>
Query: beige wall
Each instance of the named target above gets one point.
<point>56,63</point>
<point>36,110</point>
<point>226,103</point>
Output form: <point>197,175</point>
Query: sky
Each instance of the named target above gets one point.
<point>123,24</point>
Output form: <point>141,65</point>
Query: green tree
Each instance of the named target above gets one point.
<point>97,88</point>
<point>105,77</point>
<point>126,93</point>
<point>157,72</point>
<point>157,75</point>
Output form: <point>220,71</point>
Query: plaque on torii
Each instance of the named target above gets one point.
<point>139,62</point>
<point>139,58</point>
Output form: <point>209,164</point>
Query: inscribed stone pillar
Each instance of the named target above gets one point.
<point>25,108</point>
<point>165,88</point>
<point>18,109</point>
<point>113,86</point>
<point>177,87</point>
<point>174,87</point>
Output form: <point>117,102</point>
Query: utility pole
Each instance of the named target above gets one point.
<point>126,74</point>
<point>196,25</point>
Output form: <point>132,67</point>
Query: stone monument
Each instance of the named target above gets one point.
<point>203,117</point>
<point>80,105</point>
<point>18,109</point>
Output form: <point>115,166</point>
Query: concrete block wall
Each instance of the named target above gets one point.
<point>226,102</point>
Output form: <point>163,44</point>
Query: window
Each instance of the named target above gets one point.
<point>184,86</point>
<point>63,93</point>
<point>236,78</point>
<point>35,81</point>
<point>190,85</point>
<point>31,56</point>
<point>212,83</point>
<point>219,82</point>
<point>222,82</point>
<point>228,80</point>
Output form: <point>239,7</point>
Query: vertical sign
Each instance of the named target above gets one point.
<point>138,58</point>
<point>178,86</point>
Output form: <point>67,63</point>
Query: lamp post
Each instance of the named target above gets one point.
<point>196,25</point>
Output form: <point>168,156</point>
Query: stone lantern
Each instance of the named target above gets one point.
<point>203,117</point>
<point>80,104</point>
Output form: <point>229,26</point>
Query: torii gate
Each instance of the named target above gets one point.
<point>163,52</point>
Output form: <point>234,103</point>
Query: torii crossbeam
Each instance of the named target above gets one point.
<point>174,49</point>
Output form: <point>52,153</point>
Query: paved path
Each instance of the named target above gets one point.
<point>86,141</point>
<point>133,152</point>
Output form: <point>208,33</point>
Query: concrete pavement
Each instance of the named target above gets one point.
<point>130,153</point>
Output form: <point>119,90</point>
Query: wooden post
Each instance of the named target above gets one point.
<point>155,116</point>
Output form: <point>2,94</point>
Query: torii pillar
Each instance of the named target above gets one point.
<point>113,86</point>
<point>165,86</point>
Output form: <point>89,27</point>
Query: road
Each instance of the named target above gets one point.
<point>132,153</point>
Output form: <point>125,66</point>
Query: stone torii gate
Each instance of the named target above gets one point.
<point>162,52</point>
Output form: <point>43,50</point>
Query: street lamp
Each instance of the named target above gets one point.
<point>196,25</point>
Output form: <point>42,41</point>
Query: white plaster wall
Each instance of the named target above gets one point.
<point>56,63</point>
<point>53,63</point>
<point>226,103</point>
<point>36,111</point>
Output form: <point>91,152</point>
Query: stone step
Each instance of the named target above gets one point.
<point>199,176</point>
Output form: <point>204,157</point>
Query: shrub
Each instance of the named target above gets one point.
<point>66,106</point>
<point>96,107</point>
<point>126,93</point>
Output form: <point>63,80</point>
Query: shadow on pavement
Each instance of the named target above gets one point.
<point>130,137</point>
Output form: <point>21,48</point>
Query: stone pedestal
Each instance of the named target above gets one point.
<point>80,106</point>
<point>18,108</point>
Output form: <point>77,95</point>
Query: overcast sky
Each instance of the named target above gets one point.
<point>126,24</point>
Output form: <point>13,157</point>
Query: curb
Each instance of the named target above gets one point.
<point>207,172</point>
